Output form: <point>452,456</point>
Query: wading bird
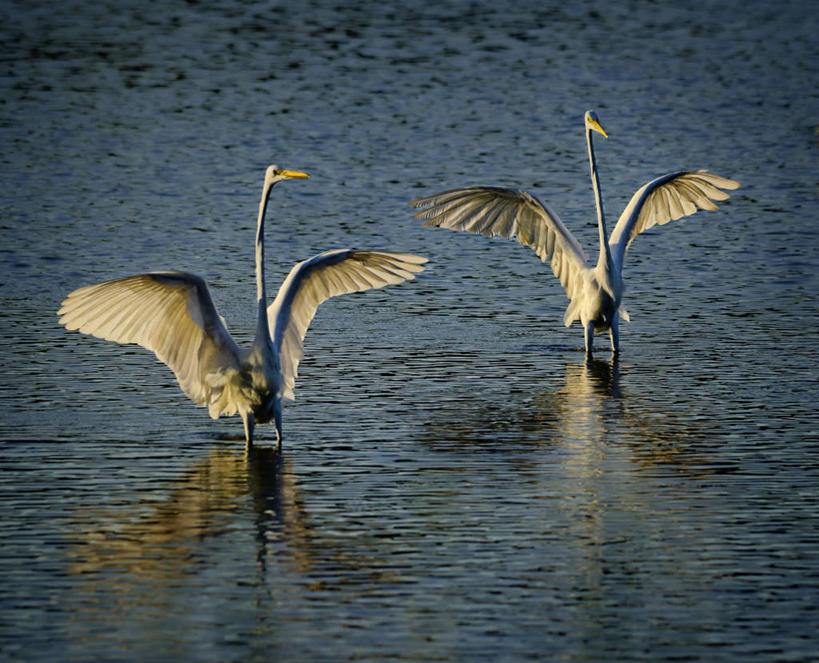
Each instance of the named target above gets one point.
<point>595,291</point>
<point>172,313</point>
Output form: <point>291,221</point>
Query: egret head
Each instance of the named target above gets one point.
<point>275,174</point>
<point>592,122</point>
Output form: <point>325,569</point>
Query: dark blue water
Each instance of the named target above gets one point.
<point>457,483</point>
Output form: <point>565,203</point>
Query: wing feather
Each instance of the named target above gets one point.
<point>169,313</point>
<point>313,281</point>
<point>667,198</point>
<point>509,213</point>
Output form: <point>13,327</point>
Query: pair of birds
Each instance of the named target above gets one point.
<point>172,313</point>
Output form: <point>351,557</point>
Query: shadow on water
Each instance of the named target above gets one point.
<point>591,407</point>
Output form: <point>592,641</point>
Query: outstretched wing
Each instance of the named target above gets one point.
<point>312,281</point>
<point>509,213</point>
<point>665,199</point>
<point>170,313</point>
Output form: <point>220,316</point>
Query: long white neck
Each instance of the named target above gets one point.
<point>262,329</point>
<point>605,253</point>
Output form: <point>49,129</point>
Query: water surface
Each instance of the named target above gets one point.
<point>457,483</point>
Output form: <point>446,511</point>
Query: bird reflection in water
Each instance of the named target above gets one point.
<point>590,401</point>
<point>585,456</point>
<point>589,411</point>
<point>168,541</point>
<point>545,416</point>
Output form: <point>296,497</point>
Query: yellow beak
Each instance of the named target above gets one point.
<point>594,124</point>
<point>293,173</point>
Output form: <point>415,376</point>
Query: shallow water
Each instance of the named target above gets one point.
<point>457,483</point>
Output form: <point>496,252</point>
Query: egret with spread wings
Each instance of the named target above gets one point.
<point>172,313</point>
<point>595,291</point>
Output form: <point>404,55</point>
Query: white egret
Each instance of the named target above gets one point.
<point>172,313</point>
<point>595,291</point>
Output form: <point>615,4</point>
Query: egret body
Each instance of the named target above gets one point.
<point>172,314</point>
<point>595,291</point>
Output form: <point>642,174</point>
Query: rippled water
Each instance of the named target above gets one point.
<point>457,483</point>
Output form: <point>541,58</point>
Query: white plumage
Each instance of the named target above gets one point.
<point>172,314</point>
<point>312,281</point>
<point>595,291</point>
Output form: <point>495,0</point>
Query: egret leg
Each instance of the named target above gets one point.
<point>614,334</point>
<point>277,419</point>
<point>249,422</point>
<point>589,329</point>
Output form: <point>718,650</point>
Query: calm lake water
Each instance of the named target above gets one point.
<point>457,483</point>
